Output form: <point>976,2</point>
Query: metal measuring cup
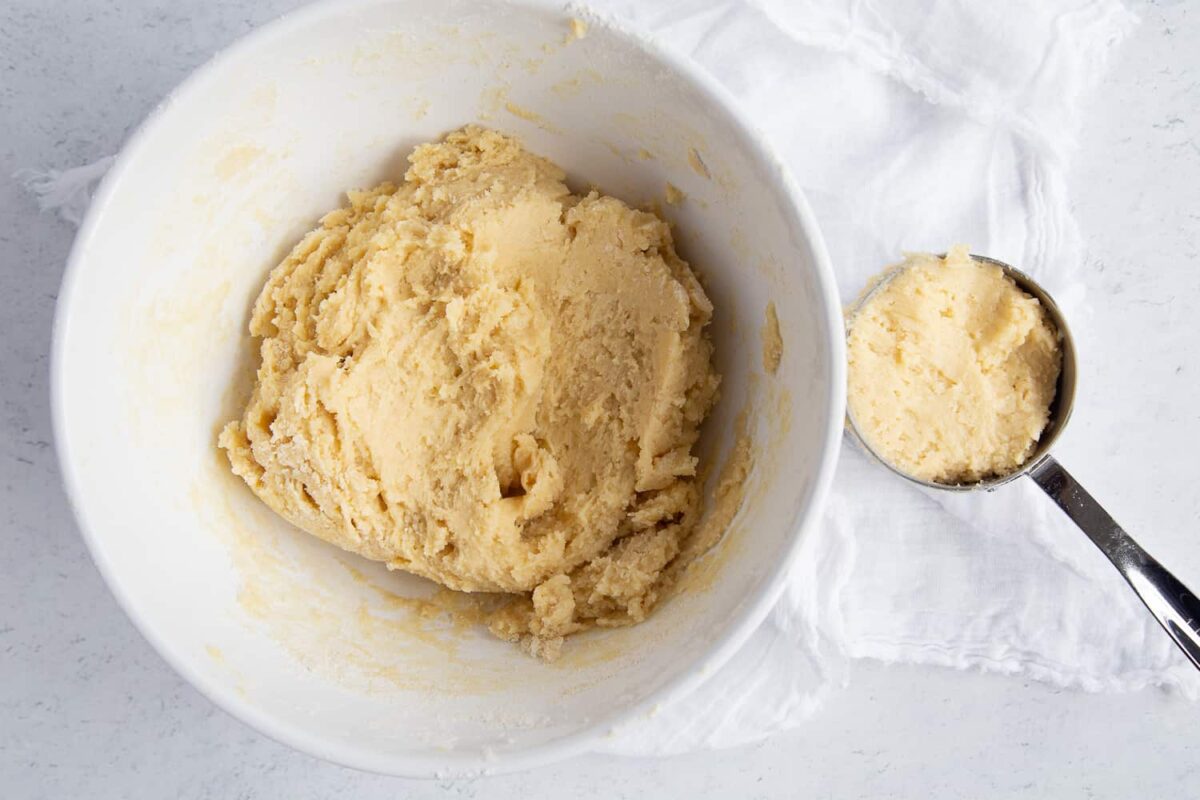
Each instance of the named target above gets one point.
<point>1174,605</point>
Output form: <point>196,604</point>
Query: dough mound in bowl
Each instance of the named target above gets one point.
<point>484,379</point>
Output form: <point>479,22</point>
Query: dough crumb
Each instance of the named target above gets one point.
<point>772,352</point>
<point>953,369</point>
<point>579,29</point>
<point>479,377</point>
<point>674,195</point>
<point>697,163</point>
<point>529,116</point>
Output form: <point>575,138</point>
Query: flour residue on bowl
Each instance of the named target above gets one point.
<point>354,628</point>
<point>530,116</point>
<point>696,162</point>
<point>701,563</point>
<point>772,341</point>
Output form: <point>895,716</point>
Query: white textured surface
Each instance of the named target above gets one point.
<point>86,707</point>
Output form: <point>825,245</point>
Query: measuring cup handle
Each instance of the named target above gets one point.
<point>1172,603</point>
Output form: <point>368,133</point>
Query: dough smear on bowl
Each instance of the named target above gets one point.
<point>481,378</point>
<point>953,369</point>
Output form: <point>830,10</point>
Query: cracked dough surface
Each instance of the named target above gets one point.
<point>953,369</point>
<point>479,377</point>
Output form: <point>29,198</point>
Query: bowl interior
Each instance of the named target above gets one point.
<point>325,650</point>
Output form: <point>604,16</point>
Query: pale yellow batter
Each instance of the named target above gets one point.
<point>483,379</point>
<point>952,370</point>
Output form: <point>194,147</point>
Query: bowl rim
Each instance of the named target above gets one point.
<point>459,763</point>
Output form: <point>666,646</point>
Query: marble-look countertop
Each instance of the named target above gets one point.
<point>87,709</point>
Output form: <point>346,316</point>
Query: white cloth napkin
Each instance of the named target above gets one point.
<point>912,125</point>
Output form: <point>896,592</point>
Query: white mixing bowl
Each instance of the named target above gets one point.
<point>320,649</point>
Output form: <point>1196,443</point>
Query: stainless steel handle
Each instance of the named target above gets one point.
<point>1172,603</point>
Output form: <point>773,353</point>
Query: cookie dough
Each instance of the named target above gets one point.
<point>952,370</point>
<point>482,378</point>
